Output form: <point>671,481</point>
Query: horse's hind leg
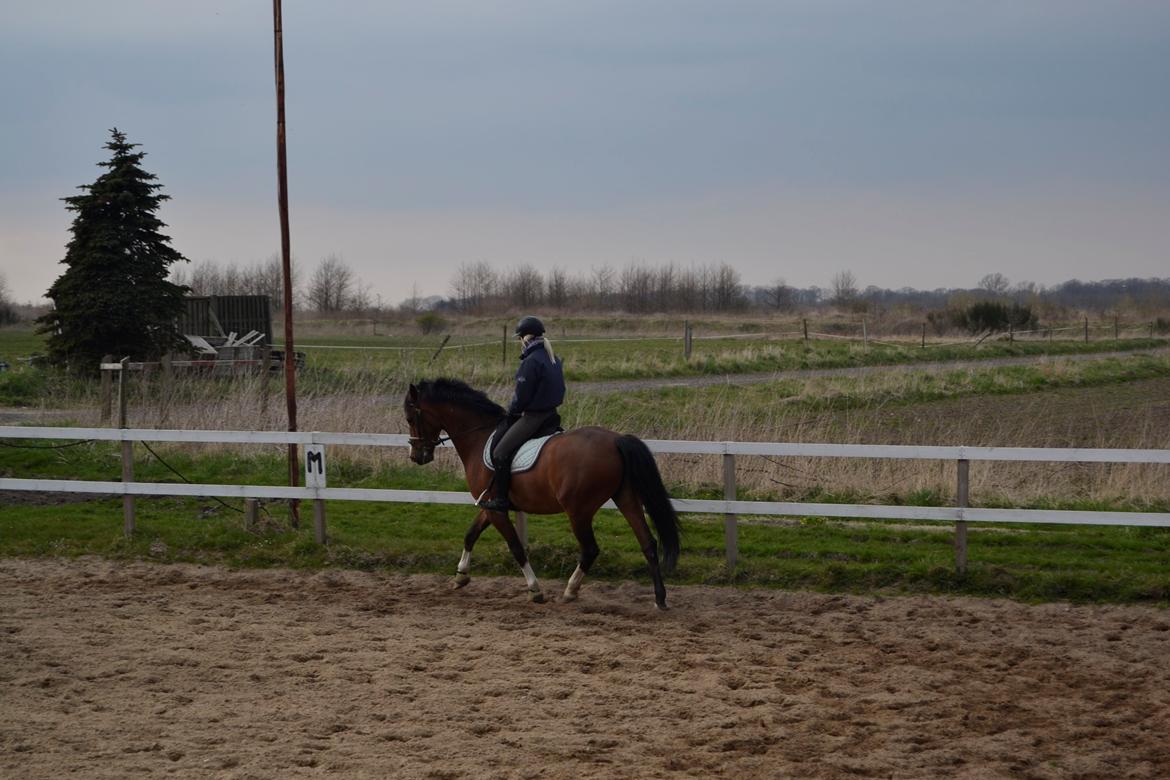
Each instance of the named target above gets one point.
<point>583,530</point>
<point>463,570</point>
<point>631,507</point>
<point>503,524</point>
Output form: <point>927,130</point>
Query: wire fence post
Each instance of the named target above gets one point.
<point>688,340</point>
<point>504,347</point>
<point>1086,330</point>
<point>166,388</point>
<point>924,335</point>
<point>864,333</point>
<point>963,500</point>
<point>1116,330</point>
<point>730,521</point>
<point>804,324</point>
<point>127,450</point>
<point>107,398</point>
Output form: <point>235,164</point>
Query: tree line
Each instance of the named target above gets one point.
<point>124,284</point>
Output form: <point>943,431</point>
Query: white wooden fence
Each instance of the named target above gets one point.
<point>731,508</point>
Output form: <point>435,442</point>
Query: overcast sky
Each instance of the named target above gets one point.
<point>917,144</point>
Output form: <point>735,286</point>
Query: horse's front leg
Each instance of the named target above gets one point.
<point>503,524</point>
<point>463,570</point>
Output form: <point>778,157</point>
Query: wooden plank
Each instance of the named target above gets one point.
<point>664,446</point>
<point>730,521</point>
<point>711,507</point>
<point>319,521</point>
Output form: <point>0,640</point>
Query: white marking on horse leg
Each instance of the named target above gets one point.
<point>464,563</point>
<point>530,577</point>
<point>574,584</point>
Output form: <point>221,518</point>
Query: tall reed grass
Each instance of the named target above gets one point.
<point>1122,403</point>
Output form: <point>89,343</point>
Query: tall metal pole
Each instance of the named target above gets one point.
<point>290,368</point>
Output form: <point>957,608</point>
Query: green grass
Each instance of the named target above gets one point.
<point>1089,564</point>
<point>757,404</point>
<point>641,358</point>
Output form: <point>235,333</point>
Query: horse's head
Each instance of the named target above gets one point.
<point>424,429</point>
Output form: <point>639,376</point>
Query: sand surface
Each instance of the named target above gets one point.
<point>123,670</point>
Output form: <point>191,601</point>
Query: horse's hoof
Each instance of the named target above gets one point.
<point>460,580</point>
<point>661,606</point>
<point>536,597</point>
<point>569,596</point>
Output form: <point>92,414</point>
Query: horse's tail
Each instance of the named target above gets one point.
<point>641,472</point>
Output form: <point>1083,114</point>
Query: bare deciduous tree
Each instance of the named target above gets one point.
<point>726,289</point>
<point>7,308</point>
<point>474,284</point>
<point>844,288</point>
<point>778,295</point>
<point>997,284</point>
<point>601,286</point>
<point>331,285</point>
<point>558,288</point>
<point>523,286</point>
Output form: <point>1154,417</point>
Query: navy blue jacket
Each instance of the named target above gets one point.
<point>540,383</point>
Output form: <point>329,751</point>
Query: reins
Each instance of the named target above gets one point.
<point>418,414</point>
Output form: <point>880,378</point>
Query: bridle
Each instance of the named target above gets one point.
<point>429,445</point>
<point>416,419</point>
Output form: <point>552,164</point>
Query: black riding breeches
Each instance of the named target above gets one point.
<point>519,432</point>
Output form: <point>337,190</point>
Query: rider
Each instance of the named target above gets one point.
<point>540,389</point>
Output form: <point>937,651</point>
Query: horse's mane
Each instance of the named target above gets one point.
<point>452,391</point>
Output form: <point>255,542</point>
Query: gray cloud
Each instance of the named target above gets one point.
<point>559,113</point>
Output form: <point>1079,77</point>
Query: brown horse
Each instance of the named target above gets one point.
<point>577,472</point>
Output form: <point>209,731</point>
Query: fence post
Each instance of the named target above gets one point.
<point>166,386</point>
<point>864,333</point>
<point>319,521</point>
<point>251,513</point>
<point>963,496</point>
<point>522,528</point>
<point>804,322</point>
<point>686,339</point>
<point>265,368</point>
<point>1086,329</point>
<point>107,398</point>
<point>127,450</point>
<point>730,527</point>
<point>924,335</point>
<point>504,347</point>
<point>1011,332</point>
<point>1116,331</point>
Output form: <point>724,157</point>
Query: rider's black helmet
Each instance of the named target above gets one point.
<point>529,326</point>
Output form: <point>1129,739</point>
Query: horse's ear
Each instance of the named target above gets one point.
<point>412,394</point>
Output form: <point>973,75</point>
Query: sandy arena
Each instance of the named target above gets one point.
<point>121,670</point>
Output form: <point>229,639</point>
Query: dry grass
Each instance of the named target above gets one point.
<point>983,407</point>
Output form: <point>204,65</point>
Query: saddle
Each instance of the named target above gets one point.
<point>525,456</point>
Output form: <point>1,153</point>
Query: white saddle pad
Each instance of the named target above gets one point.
<point>525,457</point>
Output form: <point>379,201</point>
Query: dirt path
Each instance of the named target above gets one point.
<point>627,385</point>
<point>113,670</point>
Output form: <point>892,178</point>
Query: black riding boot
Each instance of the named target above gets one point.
<point>502,481</point>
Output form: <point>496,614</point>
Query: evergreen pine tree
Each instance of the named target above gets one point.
<point>114,296</point>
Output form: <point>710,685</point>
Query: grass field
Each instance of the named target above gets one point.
<point>1111,402</point>
<point>480,360</point>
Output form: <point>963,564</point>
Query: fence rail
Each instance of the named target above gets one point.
<point>728,450</point>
